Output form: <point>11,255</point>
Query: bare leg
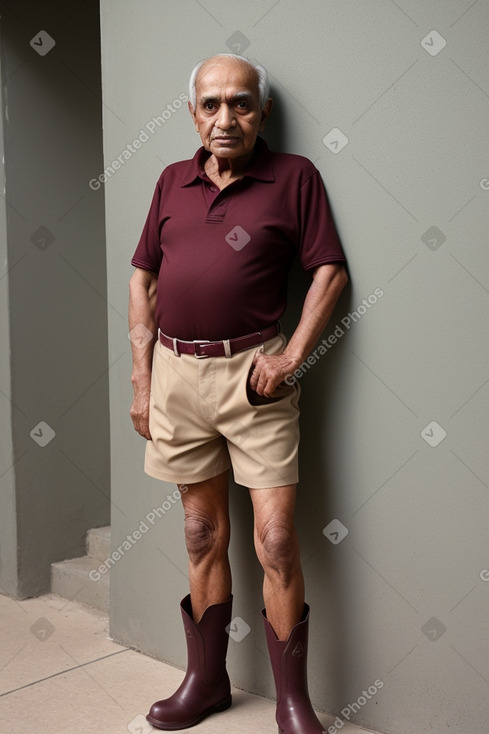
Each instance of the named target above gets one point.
<point>207,533</point>
<point>277,548</point>
<point>206,611</point>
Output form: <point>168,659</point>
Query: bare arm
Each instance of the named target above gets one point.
<point>142,304</point>
<point>324,291</point>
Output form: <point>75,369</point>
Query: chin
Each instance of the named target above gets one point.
<point>229,150</point>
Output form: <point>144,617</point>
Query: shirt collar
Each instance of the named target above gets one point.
<point>260,167</point>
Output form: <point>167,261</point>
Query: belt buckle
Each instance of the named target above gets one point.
<point>200,341</point>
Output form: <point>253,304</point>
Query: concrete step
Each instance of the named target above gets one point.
<point>79,578</point>
<point>98,543</point>
<point>71,580</point>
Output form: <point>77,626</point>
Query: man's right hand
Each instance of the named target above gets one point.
<point>140,411</point>
<point>142,303</point>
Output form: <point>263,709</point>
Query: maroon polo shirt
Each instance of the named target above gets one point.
<point>222,257</point>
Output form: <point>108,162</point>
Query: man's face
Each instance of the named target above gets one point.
<point>227,114</point>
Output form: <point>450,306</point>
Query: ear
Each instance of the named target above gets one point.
<point>192,113</point>
<point>265,113</point>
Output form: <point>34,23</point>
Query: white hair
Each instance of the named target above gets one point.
<point>263,81</point>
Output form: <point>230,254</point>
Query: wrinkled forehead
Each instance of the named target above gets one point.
<point>221,77</point>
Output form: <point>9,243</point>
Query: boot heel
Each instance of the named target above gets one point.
<point>223,705</point>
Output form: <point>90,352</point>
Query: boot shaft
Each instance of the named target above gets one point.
<point>294,713</point>
<point>207,640</point>
<point>289,657</point>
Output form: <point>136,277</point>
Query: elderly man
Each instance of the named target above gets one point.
<point>210,285</point>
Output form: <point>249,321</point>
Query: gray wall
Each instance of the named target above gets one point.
<point>401,598</point>
<point>8,527</point>
<point>54,350</point>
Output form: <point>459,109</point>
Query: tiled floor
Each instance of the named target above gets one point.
<point>61,673</point>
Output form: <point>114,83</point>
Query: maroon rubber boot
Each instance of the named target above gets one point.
<point>295,714</point>
<point>206,688</point>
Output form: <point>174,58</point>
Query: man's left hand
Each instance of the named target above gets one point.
<point>269,371</point>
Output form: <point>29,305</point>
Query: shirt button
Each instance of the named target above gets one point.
<point>213,189</point>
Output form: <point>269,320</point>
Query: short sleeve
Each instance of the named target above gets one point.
<point>319,243</point>
<point>148,254</point>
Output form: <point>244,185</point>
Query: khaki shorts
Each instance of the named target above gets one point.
<point>202,421</point>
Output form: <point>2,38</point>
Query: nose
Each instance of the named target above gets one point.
<point>226,118</point>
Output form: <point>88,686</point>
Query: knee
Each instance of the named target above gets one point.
<point>278,549</point>
<point>199,536</point>
<point>206,535</point>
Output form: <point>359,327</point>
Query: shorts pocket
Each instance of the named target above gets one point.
<point>283,390</point>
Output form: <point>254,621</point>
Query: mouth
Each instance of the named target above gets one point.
<point>223,139</point>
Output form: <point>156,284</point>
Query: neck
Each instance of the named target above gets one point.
<point>228,168</point>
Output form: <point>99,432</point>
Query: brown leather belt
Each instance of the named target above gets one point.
<point>200,348</point>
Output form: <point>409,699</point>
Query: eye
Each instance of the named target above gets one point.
<point>242,105</point>
<point>209,106</point>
